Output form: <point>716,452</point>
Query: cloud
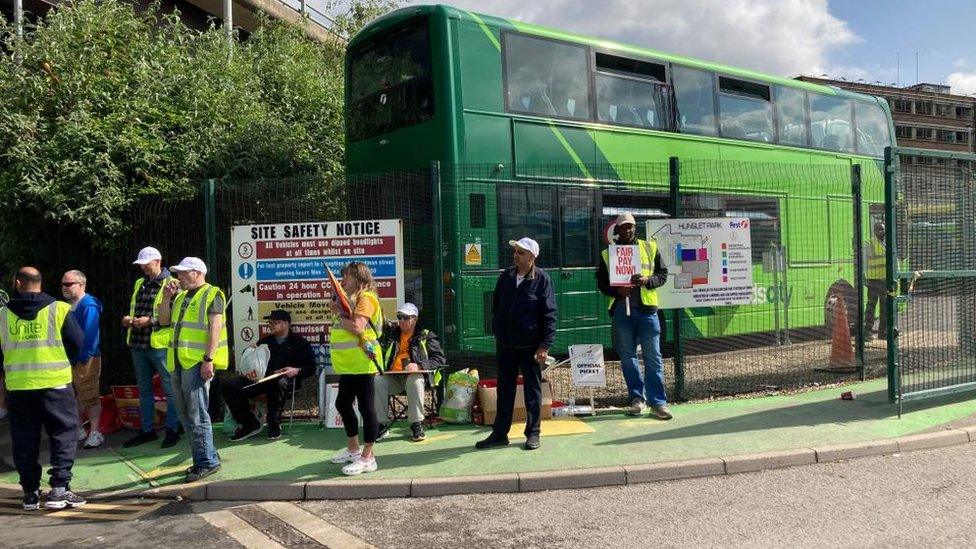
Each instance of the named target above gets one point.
<point>784,37</point>
<point>961,63</point>
<point>962,83</point>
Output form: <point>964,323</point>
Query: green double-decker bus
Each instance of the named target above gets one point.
<point>550,134</point>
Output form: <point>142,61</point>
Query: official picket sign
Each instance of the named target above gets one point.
<point>588,367</point>
<point>283,266</point>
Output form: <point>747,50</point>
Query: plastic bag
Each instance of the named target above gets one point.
<point>459,396</point>
<point>254,362</point>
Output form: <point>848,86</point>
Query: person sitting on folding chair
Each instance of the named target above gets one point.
<point>407,350</point>
<point>291,355</point>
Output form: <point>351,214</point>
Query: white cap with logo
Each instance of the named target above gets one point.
<point>527,244</point>
<point>146,255</point>
<point>408,309</point>
<point>626,218</point>
<point>190,264</point>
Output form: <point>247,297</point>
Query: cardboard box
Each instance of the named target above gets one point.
<point>488,399</point>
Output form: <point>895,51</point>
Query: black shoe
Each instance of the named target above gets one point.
<point>532,442</point>
<point>491,441</point>
<point>382,432</point>
<point>64,499</point>
<point>198,473</point>
<point>274,431</point>
<point>170,439</point>
<point>32,500</point>
<point>417,430</point>
<point>141,438</point>
<point>245,432</point>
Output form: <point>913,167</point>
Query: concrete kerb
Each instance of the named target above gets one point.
<point>359,488</point>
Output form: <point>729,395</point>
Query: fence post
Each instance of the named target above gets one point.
<point>438,252</point>
<point>858,266</point>
<point>677,314</point>
<point>210,223</point>
<point>891,265</point>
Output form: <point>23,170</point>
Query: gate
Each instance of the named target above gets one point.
<point>930,202</point>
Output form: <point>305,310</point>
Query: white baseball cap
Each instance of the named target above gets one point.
<point>146,255</point>
<point>409,309</point>
<point>527,244</point>
<point>626,218</point>
<point>190,264</point>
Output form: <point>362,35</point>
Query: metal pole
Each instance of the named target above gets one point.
<point>891,266</point>
<point>19,17</point>
<point>438,252</point>
<point>303,7</point>
<point>858,266</point>
<point>677,315</point>
<point>787,295</point>
<point>229,24</point>
<point>210,222</point>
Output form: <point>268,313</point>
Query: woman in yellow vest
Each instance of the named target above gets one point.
<point>351,341</point>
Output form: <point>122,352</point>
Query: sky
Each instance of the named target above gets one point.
<point>872,40</point>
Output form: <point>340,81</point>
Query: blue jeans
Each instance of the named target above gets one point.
<point>645,329</point>
<point>147,362</point>
<point>192,400</point>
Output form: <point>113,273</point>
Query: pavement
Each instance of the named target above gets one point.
<point>704,439</point>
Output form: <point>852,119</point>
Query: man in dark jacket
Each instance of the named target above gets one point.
<point>407,350</point>
<point>291,355</point>
<point>37,368</point>
<point>524,324</point>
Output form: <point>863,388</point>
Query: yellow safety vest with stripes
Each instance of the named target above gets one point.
<point>876,260</point>
<point>345,347</point>
<point>191,329</point>
<point>33,353</point>
<point>161,336</point>
<point>648,250</point>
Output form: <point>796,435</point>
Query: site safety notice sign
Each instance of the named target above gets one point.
<point>282,266</point>
<point>709,261</point>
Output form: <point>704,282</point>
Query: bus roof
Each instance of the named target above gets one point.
<point>397,16</point>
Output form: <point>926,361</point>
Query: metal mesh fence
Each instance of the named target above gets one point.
<point>936,214</point>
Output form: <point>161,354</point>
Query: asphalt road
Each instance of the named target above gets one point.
<point>920,499</point>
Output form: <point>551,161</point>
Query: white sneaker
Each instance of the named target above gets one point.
<point>82,433</point>
<point>360,466</point>
<point>95,439</point>
<point>345,456</point>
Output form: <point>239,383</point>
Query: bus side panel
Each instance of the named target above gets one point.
<point>487,139</point>
<point>623,147</point>
<point>542,144</point>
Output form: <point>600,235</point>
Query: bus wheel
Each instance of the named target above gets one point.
<point>838,291</point>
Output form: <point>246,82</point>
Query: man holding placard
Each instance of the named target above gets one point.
<point>629,272</point>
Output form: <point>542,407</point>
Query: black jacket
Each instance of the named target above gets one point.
<point>27,305</point>
<point>294,352</point>
<point>433,359</point>
<point>524,316</point>
<point>658,279</point>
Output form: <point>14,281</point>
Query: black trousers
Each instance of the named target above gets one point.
<point>237,394</point>
<point>57,411</point>
<point>876,294</point>
<point>359,388</point>
<point>510,362</point>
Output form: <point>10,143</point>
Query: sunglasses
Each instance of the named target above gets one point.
<point>404,317</point>
<point>69,284</point>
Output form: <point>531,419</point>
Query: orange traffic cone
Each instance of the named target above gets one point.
<point>841,349</point>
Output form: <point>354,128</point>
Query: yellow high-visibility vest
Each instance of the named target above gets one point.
<point>348,356</point>
<point>648,251</point>
<point>33,353</point>
<point>191,329</point>
<point>875,269</point>
<point>161,336</point>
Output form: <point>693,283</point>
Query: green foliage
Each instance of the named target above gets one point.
<point>101,105</point>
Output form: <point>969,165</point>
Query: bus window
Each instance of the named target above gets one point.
<point>630,92</point>
<point>830,123</point>
<point>694,93</point>
<point>792,109</point>
<point>390,84</point>
<point>872,129</point>
<point>577,228</point>
<point>546,78</point>
<point>526,211</point>
<point>745,110</point>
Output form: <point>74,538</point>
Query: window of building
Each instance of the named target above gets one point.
<point>830,123</point>
<point>963,111</point>
<point>694,92</point>
<point>546,78</point>
<point>923,133</point>
<point>923,107</point>
<point>903,132</point>
<point>630,92</point>
<point>943,110</point>
<point>962,137</point>
<point>901,105</point>
<point>945,136</point>
<point>872,129</point>
<point>791,106</point>
<point>745,110</point>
